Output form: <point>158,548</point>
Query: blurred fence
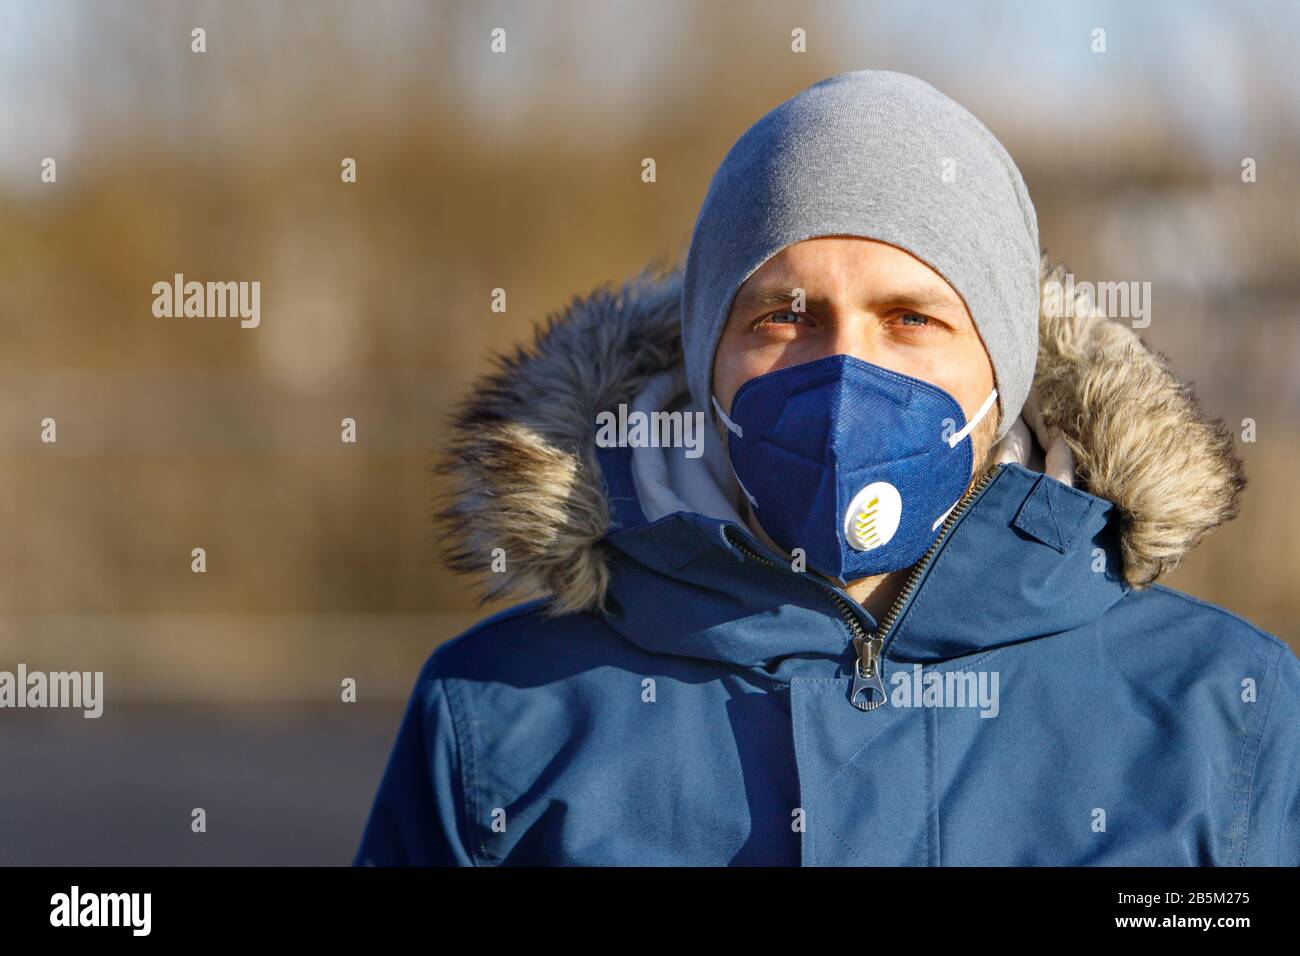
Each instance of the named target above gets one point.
<point>521,171</point>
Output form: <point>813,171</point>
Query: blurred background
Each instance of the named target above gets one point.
<point>477,170</point>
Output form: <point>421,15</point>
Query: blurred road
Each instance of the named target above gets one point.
<point>281,785</point>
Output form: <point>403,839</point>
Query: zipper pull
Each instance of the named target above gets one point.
<point>866,674</point>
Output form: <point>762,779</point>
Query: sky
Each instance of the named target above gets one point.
<point>1202,64</point>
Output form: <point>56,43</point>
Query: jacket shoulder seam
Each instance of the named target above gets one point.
<point>462,724</point>
<point>466,763</point>
<point>1250,755</point>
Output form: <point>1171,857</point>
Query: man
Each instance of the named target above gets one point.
<point>852,630</point>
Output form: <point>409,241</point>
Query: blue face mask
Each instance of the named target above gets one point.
<point>853,463</point>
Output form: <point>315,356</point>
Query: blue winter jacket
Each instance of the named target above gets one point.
<point>681,694</point>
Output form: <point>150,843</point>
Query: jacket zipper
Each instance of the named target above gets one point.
<point>868,648</point>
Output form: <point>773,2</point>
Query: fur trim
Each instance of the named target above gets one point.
<point>522,457</point>
<point>523,475</point>
<point>1139,437</point>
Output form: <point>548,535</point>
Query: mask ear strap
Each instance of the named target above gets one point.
<point>731,426</point>
<point>979,416</point>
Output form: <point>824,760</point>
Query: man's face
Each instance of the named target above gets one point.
<point>862,298</point>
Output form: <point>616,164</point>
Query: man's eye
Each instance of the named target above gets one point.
<point>784,317</point>
<point>914,319</point>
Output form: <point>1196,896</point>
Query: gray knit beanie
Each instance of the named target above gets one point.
<point>865,154</point>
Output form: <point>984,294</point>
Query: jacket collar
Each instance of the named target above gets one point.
<point>524,474</point>
<point>1028,557</point>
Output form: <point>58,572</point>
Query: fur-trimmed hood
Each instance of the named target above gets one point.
<point>523,474</point>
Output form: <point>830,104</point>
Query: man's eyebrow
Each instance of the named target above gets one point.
<point>921,298</point>
<point>764,296</point>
